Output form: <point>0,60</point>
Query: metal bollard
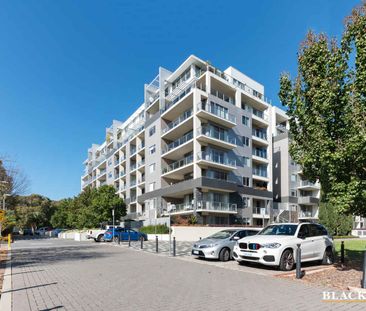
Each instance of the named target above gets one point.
<point>129,240</point>
<point>200,238</point>
<point>156,244</point>
<point>174,246</point>
<point>119,238</point>
<point>342,252</point>
<point>363,282</point>
<point>298,262</point>
<point>142,242</point>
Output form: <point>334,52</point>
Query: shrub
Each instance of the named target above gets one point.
<point>160,229</point>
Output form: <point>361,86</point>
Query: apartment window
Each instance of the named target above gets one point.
<point>246,181</point>
<point>293,193</point>
<point>152,186</point>
<point>152,168</point>
<point>245,120</point>
<point>152,130</point>
<point>152,149</point>
<point>246,201</point>
<point>245,141</point>
<point>110,175</point>
<point>293,178</point>
<point>246,161</point>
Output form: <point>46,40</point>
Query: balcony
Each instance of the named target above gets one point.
<point>101,173</point>
<point>214,159</point>
<point>307,185</point>
<point>204,206</point>
<point>223,96</point>
<point>259,116</point>
<point>220,138</point>
<point>306,214</point>
<point>177,122</point>
<point>132,183</point>
<point>260,212</point>
<point>217,207</point>
<point>120,161</point>
<point>133,167</point>
<point>212,113</point>
<point>259,155</point>
<point>308,200</point>
<point>141,180</point>
<point>182,145</point>
<point>133,151</point>
<point>178,169</point>
<point>259,136</point>
<point>260,173</point>
<point>141,163</point>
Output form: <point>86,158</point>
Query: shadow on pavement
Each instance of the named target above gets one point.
<point>29,287</point>
<point>39,256</point>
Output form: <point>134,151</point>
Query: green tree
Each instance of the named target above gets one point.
<point>337,224</point>
<point>327,109</point>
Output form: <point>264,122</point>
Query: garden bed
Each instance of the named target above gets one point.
<point>340,276</point>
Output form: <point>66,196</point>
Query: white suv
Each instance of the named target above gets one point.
<point>276,245</point>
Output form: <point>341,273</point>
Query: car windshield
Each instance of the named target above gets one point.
<point>279,230</point>
<point>222,234</point>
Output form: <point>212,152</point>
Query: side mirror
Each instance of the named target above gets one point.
<point>236,238</point>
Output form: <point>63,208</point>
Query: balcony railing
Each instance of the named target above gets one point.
<point>178,142</point>
<point>217,112</point>
<point>260,153</point>
<point>216,158</point>
<point>184,116</point>
<point>141,163</point>
<point>141,180</point>
<point>306,214</point>
<point>132,183</point>
<point>223,96</point>
<point>133,167</point>
<point>133,199</point>
<point>260,172</point>
<point>260,134</point>
<point>258,210</point>
<point>216,206</point>
<point>180,163</point>
<point>133,151</point>
<point>220,135</point>
<point>141,146</point>
<point>121,174</point>
<point>205,206</point>
<point>102,172</point>
<point>306,183</point>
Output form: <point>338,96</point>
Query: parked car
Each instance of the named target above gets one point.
<point>98,234</point>
<point>124,234</point>
<point>27,231</point>
<point>220,245</point>
<point>276,245</point>
<point>42,231</point>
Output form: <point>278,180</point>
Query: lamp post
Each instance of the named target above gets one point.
<point>113,225</point>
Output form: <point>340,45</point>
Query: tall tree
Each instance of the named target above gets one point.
<point>327,108</point>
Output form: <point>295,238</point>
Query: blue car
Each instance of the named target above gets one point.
<point>123,234</point>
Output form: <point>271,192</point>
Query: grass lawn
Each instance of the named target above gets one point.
<point>353,249</point>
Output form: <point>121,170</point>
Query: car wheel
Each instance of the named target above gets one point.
<point>224,254</point>
<point>328,257</point>
<point>100,238</point>
<point>287,260</point>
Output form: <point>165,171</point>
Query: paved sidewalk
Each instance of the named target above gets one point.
<point>67,275</point>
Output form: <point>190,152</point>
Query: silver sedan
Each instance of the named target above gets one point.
<point>220,245</point>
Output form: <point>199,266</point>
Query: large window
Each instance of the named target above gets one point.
<point>245,141</point>
<point>245,120</point>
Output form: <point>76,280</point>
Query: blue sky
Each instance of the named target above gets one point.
<point>67,68</point>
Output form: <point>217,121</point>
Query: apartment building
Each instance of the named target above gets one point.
<point>200,144</point>
<point>294,197</point>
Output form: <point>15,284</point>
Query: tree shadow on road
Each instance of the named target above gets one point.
<point>40,256</point>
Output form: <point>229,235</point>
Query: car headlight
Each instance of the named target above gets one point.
<point>213,244</point>
<point>271,245</point>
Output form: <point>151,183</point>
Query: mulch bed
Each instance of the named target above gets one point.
<point>339,277</point>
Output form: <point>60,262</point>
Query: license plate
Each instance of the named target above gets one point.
<point>196,252</point>
<point>247,254</point>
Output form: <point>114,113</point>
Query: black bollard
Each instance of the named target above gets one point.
<point>200,238</point>
<point>156,244</point>
<point>363,282</point>
<point>142,242</point>
<point>298,262</point>
<point>342,252</point>
<point>174,246</point>
<point>129,240</point>
<point>119,238</point>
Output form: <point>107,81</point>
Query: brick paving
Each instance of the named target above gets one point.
<point>65,275</point>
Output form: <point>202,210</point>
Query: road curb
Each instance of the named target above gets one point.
<point>6,291</point>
